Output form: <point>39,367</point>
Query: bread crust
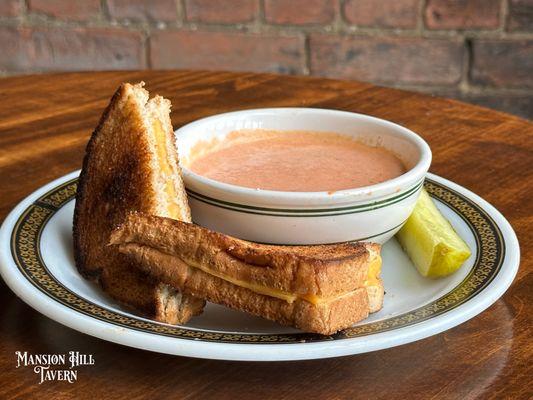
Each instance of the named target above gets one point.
<point>323,318</point>
<point>118,177</point>
<point>322,270</point>
<point>172,251</point>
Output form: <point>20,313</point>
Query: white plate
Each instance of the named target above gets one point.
<point>37,264</point>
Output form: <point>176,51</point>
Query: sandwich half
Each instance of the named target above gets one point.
<point>131,164</point>
<point>320,289</point>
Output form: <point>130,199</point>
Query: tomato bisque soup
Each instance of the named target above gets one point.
<point>294,161</point>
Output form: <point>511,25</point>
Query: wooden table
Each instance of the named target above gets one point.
<point>45,122</point>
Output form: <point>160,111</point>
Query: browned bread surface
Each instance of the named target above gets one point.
<point>322,270</point>
<point>189,257</point>
<point>119,175</point>
<point>324,318</point>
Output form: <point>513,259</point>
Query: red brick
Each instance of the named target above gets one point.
<point>78,10</point>
<point>226,51</point>
<point>462,14</point>
<point>15,51</point>
<point>221,11</point>
<point>299,12</point>
<point>513,103</point>
<point>389,13</point>
<point>143,10</point>
<point>10,8</point>
<point>502,63</point>
<point>55,49</point>
<point>518,104</point>
<point>387,59</point>
<point>520,15</point>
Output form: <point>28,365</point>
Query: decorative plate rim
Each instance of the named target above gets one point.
<point>35,211</point>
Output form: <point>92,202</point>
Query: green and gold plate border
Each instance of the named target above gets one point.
<point>25,248</point>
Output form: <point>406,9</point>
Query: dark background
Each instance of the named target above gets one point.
<point>480,51</point>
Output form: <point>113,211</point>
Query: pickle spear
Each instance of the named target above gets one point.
<point>430,241</point>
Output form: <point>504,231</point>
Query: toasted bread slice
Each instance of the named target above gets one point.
<point>318,289</point>
<point>131,164</point>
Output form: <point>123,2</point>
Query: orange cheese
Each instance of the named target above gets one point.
<point>173,210</point>
<point>374,270</point>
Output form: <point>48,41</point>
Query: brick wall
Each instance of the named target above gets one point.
<point>476,50</point>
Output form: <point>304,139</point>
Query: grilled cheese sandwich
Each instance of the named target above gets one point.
<point>295,285</point>
<point>130,164</point>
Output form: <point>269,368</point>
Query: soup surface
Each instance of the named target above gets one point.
<point>294,161</point>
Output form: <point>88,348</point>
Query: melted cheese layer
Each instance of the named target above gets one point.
<point>374,270</point>
<point>173,210</point>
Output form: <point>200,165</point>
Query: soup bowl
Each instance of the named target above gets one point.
<point>370,213</point>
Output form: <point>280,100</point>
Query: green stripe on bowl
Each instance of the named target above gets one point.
<point>361,239</point>
<point>305,213</point>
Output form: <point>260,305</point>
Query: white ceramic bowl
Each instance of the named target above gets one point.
<point>372,213</point>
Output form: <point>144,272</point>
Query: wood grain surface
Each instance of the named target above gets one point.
<point>45,122</point>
